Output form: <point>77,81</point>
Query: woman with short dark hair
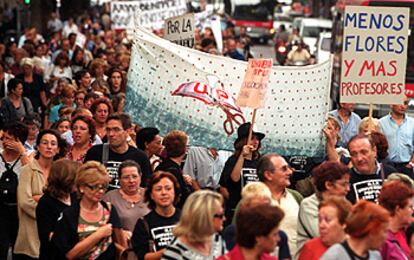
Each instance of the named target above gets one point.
<point>333,212</point>
<point>148,139</point>
<point>175,143</point>
<point>83,134</point>
<point>15,107</point>
<point>256,240</point>
<point>154,232</point>
<point>101,109</point>
<point>397,198</point>
<point>330,179</point>
<point>129,198</point>
<point>33,179</point>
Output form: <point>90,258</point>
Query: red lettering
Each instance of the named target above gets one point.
<point>392,64</point>
<point>400,87</point>
<point>221,94</point>
<point>198,90</point>
<point>366,66</point>
<point>380,69</point>
<point>348,66</point>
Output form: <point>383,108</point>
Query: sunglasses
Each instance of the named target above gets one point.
<point>97,187</point>
<point>220,216</point>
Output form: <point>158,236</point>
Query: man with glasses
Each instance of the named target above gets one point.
<point>275,172</point>
<point>399,130</point>
<point>367,174</point>
<point>118,150</point>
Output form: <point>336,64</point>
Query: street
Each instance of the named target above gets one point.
<point>264,51</point>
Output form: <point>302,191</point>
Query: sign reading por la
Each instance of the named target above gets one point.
<point>253,90</point>
<point>180,30</point>
<point>374,55</point>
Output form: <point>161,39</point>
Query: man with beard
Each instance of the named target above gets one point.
<point>399,130</point>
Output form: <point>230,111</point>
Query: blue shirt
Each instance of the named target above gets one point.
<point>54,113</point>
<point>400,138</point>
<point>349,129</point>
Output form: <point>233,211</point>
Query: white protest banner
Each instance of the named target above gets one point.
<point>374,54</point>
<point>253,90</point>
<point>146,13</point>
<point>170,87</point>
<point>180,30</point>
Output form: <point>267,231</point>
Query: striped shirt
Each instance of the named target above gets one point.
<point>177,250</point>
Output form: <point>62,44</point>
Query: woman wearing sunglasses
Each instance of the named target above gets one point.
<point>197,231</point>
<point>88,229</point>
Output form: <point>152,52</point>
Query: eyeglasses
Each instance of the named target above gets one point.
<point>343,184</point>
<point>97,187</point>
<point>219,216</point>
<point>129,177</point>
<point>115,129</point>
<point>284,169</point>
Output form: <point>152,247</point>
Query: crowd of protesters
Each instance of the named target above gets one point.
<point>80,180</point>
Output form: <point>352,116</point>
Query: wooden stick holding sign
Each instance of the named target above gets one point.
<point>252,93</point>
<point>370,122</point>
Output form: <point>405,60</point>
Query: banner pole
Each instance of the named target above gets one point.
<point>370,122</point>
<point>251,125</point>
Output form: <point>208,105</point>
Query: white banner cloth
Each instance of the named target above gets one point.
<point>293,118</point>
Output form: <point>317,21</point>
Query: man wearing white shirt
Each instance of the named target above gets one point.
<point>69,27</point>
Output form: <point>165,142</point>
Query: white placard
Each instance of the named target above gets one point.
<point>180,30</point>
<point>374,55</point>
<point>147,13</point>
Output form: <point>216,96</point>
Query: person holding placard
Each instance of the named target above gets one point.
<point>349,122</point>
<point>399,130</point>
<point>240,168</point>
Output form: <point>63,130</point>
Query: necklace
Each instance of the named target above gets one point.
<point>90,211</point>
<point>131,200</point>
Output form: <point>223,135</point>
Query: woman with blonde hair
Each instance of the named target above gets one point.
<point>196,232</point>
<point>88,229</point>
<point>364,126</point>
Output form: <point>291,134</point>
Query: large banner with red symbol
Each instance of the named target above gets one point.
<point>174,87</point>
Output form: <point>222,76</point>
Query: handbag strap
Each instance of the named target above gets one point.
<point>105,153</point>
